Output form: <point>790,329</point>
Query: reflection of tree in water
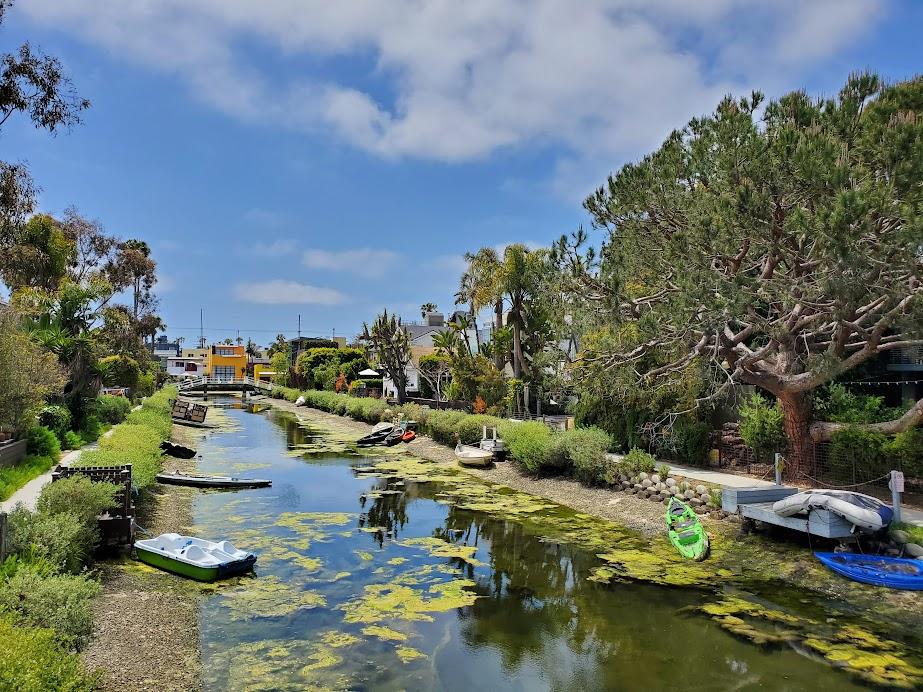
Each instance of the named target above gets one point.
<point>536,596</point>
<point>387,511</point>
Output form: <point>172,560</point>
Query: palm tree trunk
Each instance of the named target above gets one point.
<point>498,325</point>
<point>474,321</point>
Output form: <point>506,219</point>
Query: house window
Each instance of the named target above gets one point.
<point>224,372</point>
<point>224,351</point>
<point>191,367</point>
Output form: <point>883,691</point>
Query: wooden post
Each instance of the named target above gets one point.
<point>897,487</point>
<point>2,536</point>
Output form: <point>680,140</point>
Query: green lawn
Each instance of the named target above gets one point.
<point>14,477</point>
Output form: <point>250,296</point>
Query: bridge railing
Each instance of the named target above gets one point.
<point>201,382</point>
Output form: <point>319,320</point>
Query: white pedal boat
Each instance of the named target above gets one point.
<point>195,558</point>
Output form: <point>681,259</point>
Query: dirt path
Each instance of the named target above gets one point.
<point>146,621</point>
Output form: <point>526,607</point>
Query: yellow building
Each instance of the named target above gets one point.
<point>263,371</point>
<point>227,362</point>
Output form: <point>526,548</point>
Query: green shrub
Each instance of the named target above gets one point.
<point>60,602</point>
<point>362,409</point>
<point>636,461</point>
<point>137,440</point>
<point>71,440</point>
<point>121,371</point>
<point>31,660</point>
<point>92,429</point>
<point>663,470</point>
<point>905,451</point>
<point>62,539</point>
<point>56,418</point>
<point>440,425</point>
<point>530,444</point>
<point>861,451</point>
<point>584,451</point>
<point>12,478</point>
<point>690,438</point>
<point>415,412</point>
<point>620,422</point>
<point>470,428</point>
<point>42,442</point>
<point>325,376</point>
<point>761,428</point>
<point>77,495</point>
<point>112,409</point>
<point>836,403</point>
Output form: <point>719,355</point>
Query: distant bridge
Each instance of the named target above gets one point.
<point>224,384</point>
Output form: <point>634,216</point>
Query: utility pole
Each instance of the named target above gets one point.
<point>201,330</point>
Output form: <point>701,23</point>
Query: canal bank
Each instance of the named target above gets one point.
<point>777,559</point>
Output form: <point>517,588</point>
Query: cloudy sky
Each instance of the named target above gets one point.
<point>328,159</point>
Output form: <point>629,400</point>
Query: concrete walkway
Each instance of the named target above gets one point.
<point>28,494</point>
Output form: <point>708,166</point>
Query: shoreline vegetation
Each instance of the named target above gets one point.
<point>48,581</point>
<point>786,563</point>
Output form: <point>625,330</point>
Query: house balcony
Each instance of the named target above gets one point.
<point>906,359</point>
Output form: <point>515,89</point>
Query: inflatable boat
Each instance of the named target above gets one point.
<point>863,511</point>
<point>893,572</point>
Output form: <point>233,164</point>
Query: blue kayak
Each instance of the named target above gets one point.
<point>893,572</point>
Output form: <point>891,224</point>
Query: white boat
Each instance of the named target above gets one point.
<point>864,511</point>
<point>195,558</point>
<point>472,456</point>
<point>299,401</point>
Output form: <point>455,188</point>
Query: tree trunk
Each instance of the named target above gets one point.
<point>474,321</point>
<point>517,351</point>
<point>796,420</point>
<point>498,325</point>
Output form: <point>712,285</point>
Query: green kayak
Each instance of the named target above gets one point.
<point>685,531</point>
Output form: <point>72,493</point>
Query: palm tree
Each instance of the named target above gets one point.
<point>447,342</point>
<point>484,283</point>
<point>252,350</point>
<point>460,328</point>
<point>466,294</point>
<point>427,307</point>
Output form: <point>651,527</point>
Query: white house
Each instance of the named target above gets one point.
<point>180,366</point>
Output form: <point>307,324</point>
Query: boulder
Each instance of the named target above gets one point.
<point>643,476</point>
<point>899,537</point>
<point>646,483</point>
<point>695,502</point>
<point>913,550</point>
<point>625,485</point>
<point>689,494</point>
<point>638,486</point>
<point>670,481</point>
<point>655,478</point>
<point>701,489</point>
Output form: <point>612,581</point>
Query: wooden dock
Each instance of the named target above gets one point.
<point>755,504</point>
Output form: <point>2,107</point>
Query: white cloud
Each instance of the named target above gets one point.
<point>456,81</point>
<point>273,248</point>
<point>281,292</point>
<point>361,261</point>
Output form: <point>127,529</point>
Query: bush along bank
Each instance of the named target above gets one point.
<point>533,446</point>
<point>46,441</point>
<point>46,585</point>
<point>137,440</point>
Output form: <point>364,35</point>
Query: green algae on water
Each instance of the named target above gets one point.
<point>269,597</point>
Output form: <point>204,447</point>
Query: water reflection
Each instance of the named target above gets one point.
<point>354,595</point>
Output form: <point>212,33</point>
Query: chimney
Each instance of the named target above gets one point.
<point>434,319</point>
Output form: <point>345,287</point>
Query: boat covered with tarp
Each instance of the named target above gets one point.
<point>863,511</point>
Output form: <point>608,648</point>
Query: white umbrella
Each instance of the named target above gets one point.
<point>368,372</point>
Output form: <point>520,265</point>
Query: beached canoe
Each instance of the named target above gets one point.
<point>175,450</point>
<point>877,570</point>
<point>195,558</point>
<point>685,531</point>
<point>472,456</point>
<point>377,436</point>
<point>197,481</point>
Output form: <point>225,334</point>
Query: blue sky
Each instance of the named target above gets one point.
<point>330,159</point>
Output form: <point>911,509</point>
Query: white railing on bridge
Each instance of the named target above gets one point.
<point>201,382</point>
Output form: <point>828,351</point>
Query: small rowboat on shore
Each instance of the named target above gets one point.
<point>195,481</point>
<point>877,570</point>
<point>195,558</point>
<point>472,456</point>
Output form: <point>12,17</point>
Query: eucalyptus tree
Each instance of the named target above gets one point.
<point>389,344</point>
<point>777,247</point>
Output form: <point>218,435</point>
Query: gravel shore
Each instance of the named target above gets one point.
<point>146,622</point>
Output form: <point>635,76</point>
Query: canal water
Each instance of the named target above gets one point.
<point>387,573</point>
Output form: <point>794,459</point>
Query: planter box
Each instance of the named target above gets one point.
<point>12,452</point>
